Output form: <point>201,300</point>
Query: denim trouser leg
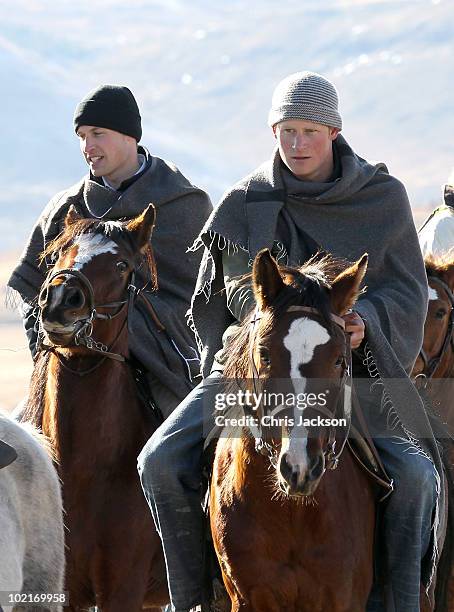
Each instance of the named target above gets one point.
<point>408,515</point>
<point>170,471</point>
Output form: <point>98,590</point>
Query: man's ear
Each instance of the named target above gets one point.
<point>333,133</point>
<point>274,130</point>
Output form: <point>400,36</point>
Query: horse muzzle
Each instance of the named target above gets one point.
<point>64,310</point>
<point>297,479</point>
<point>62,305</point>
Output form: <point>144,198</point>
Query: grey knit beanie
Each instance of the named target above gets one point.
<point>305,95</point>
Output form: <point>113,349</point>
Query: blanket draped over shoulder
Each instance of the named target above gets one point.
<point>363,210</point>
<point>181,211</point>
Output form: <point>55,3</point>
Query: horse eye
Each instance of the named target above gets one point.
<point>265,357</point>
<point>339,361</point>
<point>122,266</point>
<point>441,312</point>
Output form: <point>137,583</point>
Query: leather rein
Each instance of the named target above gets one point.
<point>343,407</point>
<point>431,365</point>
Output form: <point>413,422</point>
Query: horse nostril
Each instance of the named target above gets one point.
<point>73,298</point>
<point>288,472</point>
<point>317,468</point>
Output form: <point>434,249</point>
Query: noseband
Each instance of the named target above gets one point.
<point>343,408</point>
<point>430,365</point>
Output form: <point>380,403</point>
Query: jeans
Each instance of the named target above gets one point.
<point>407,517</point>
<point>170,468</point>
<point>170,472</point>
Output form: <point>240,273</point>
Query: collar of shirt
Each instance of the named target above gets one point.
<point>144,164</point>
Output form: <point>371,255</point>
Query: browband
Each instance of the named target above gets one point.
<point>332,316</point>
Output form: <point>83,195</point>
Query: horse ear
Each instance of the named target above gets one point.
<point>266,279</point>
<point>72,216</point>
<point>345,287</point>
<point>141,227</point>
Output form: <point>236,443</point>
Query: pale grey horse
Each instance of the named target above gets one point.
<point>32,555</point>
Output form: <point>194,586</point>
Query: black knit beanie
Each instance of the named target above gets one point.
<point>110,106</point>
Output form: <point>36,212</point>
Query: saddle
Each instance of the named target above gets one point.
<point>7,454</point>
<point>363,450</point>
<point>144,392</point>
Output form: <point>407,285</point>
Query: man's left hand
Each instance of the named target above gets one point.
<point>354,325</point>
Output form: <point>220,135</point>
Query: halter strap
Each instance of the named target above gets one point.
<point>338,320</point>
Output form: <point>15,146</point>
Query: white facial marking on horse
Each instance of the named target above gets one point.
<point>303,337</point>
<point>433,294</point>
<point>91,245</point>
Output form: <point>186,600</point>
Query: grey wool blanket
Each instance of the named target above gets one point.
<point>363,210</point>
<point>181,211</point>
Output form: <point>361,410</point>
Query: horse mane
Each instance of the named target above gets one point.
<point>439,264</point>
<point>34,407</point>
<point>308,285</point>
<point>114,230</point>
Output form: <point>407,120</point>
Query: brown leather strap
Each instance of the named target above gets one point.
<point>339,320</point>
<point>152,312</point>
<point>365,430</point>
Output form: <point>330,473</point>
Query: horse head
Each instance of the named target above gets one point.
<point>436,358</point>
<point>92,279</point>
<point>299,357</point>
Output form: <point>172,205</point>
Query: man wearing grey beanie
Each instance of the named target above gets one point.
<point>314,193</point>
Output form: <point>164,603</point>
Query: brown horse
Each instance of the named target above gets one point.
<point>434,374</point>
<point>85,399</point>
<point>287,539</point>
<point>436,359</point>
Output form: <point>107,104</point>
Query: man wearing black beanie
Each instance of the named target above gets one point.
<point>123,179</point>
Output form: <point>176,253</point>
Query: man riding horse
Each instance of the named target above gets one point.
<point>436,235</point>
<point>123,179</point>
<point>313,193</point>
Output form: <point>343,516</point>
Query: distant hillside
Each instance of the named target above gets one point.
<point>203,73</point>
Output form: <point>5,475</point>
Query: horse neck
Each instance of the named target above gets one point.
<point>246,465</point>
<point>99,412</point>
<point>445,368</point>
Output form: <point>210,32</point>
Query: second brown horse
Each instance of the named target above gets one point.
<point>288,539</point>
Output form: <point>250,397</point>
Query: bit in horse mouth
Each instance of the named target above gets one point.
<point>57,328</point>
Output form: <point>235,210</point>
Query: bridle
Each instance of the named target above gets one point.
<point>431,365</point>
<point>343,408</point>
<point>83,335</point>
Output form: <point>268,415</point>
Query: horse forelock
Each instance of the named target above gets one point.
<point>306,286</point>
<point>111,230</point>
